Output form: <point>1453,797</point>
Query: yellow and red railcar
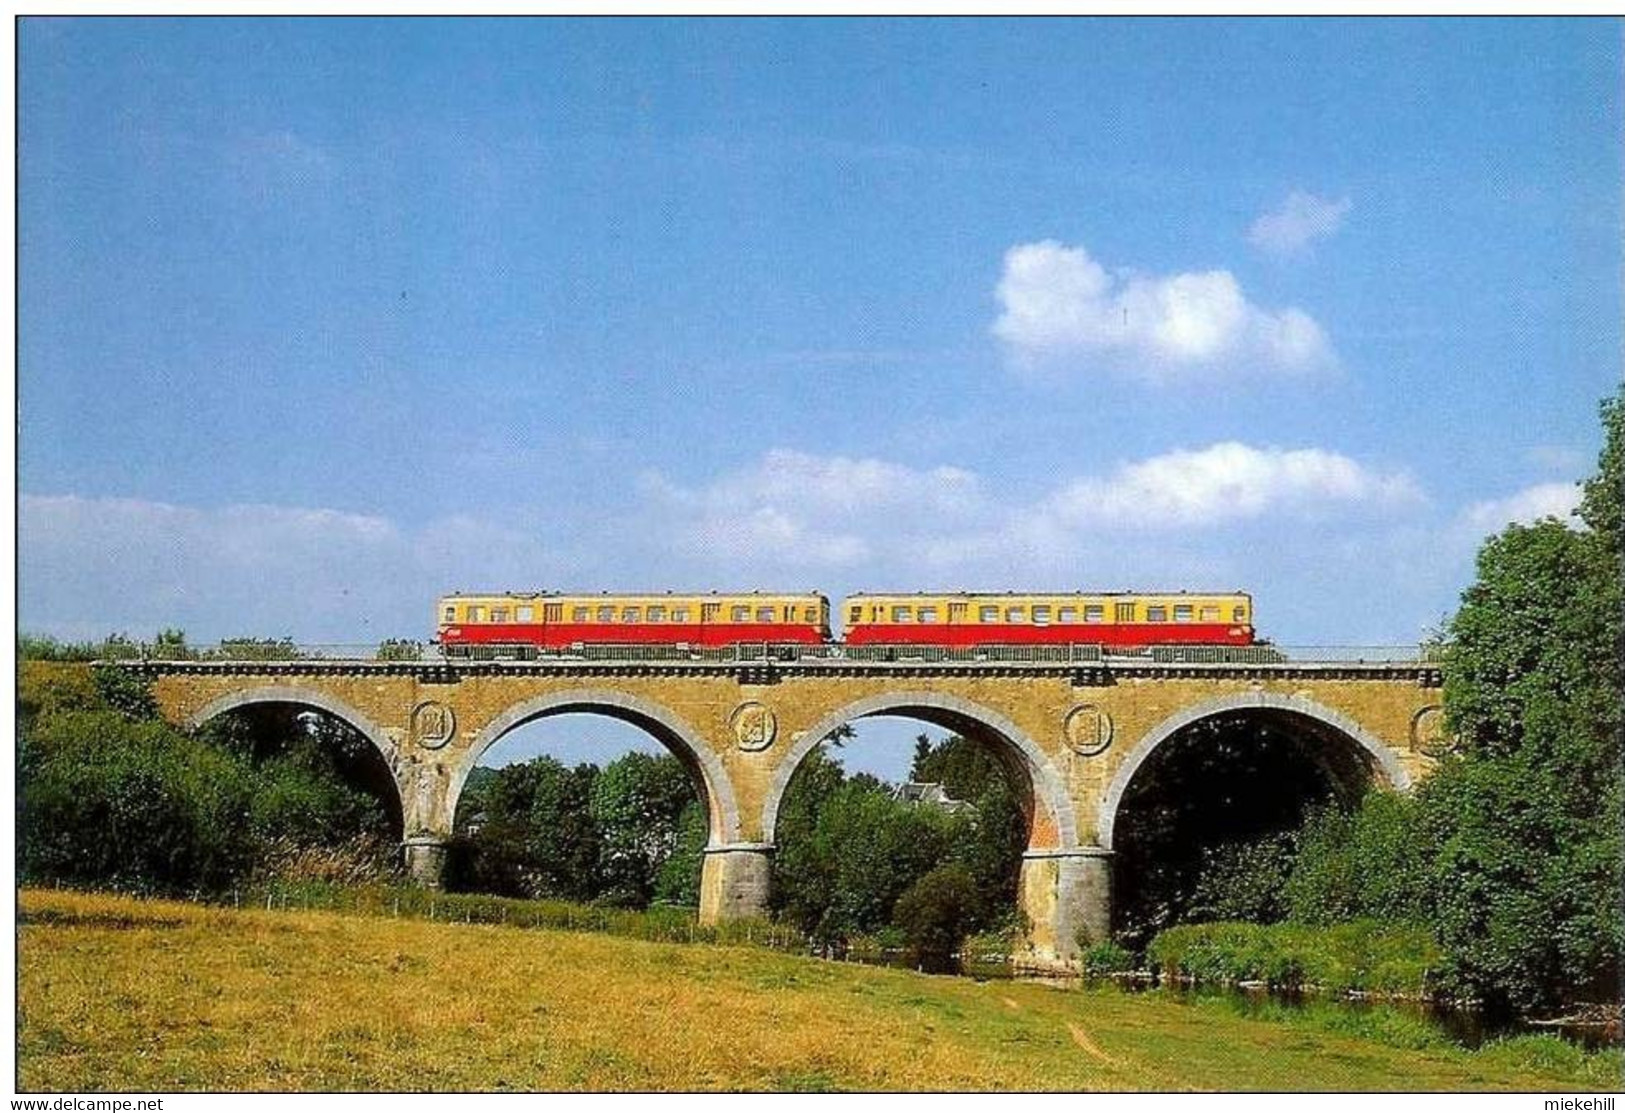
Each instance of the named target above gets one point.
<point>1115,619</point>
<point>541,620</point>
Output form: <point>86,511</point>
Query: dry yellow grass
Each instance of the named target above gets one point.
<point>158,996</point>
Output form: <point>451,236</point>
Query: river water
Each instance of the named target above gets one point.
<point>1599,1028</point>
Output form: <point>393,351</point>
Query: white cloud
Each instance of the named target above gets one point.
<point>1543,500</point>
<point>1062,308</point>
<point>890,523</point>
<point>91,566</point>
<point>1228,482</point>
<point>1301,219</point>
<point>1226,515</point>
<point>801,509</point>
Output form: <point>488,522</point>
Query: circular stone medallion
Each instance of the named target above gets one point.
<point>754,725</point>
<point>433,724</point>
<point>1088,730</point>
<point>1427,732</point>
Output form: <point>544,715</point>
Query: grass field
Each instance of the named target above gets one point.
<point>118,994</point>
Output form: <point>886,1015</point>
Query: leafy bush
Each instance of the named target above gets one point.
<point>125,692</point>
<point>1372,862</point>
<point>49,686</point>
<point>1244,880</point>
<point>848,852</point>
<point>637,803</point>
<point>399,649</point>
<point>842,874</point>
<point>1102,960</point>
<point>112,796</point>
<point>665,925</point>
<point>256,649</point>
<point>994,945</point>
<point>32,647</point>
<point>677,878</point>
<point>135,805</point>
<point>630,834</point>
<point>938,911</point>
<point>1360,955</point>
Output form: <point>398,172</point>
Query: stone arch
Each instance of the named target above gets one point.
<point>669,728</point>
<point>1378,758</point>
<point>321,701</point>
<point>1053,818</point>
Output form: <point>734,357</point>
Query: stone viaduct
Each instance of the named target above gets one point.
<point>1072,736</point>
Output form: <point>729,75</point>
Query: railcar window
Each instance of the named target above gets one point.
<point>1015,614</point>
<point>1125,612</point>
<point>451,615</point>
<point>606,614</point>
<point>499,614</point>
<point>928,614</point>
<point>657,614</point>
<point>1240,614</point>
<point>1156,614</point>
<point>989,614</point>
<point>810,614</point>
<point>1210,614</point>
<point>476,614</point>
<point>1182,613</point>
<point>740,614</point>
<point>578,614</point>
<point>1094,612</point>
<point>632,614</point>
<point>764,614</point>
<point>854,614</point>
<point>524,614</point>
<point>1040,614</point>
<point>902,614</point>
<point>679,614</point>
<point>1067,614</point>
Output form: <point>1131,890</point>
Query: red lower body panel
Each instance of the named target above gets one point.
<point>565,634</point>
<point>1092,633</point>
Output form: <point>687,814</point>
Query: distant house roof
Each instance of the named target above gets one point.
<point>928,792</point>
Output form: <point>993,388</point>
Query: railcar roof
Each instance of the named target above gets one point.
<point>756,594</point>
<point>1027,594</point>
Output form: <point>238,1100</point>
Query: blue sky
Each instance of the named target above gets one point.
<point>320,318</point>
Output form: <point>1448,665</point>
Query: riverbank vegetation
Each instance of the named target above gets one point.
<point>1510,855</point>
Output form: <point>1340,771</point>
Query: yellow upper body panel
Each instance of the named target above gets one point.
<point>1004,608</point>
<point>539,607</point>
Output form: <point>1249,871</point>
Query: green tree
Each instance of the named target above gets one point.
<point>938,911</point>
<point>1526,818</point>
<point>964,767</point>
<point>991,839</point>
<point>638,803</point>
<point>1372,862</point>
<point>110,800</point>
<point>112,795</point>
<point>528,830</point>
<point>678,879</point>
